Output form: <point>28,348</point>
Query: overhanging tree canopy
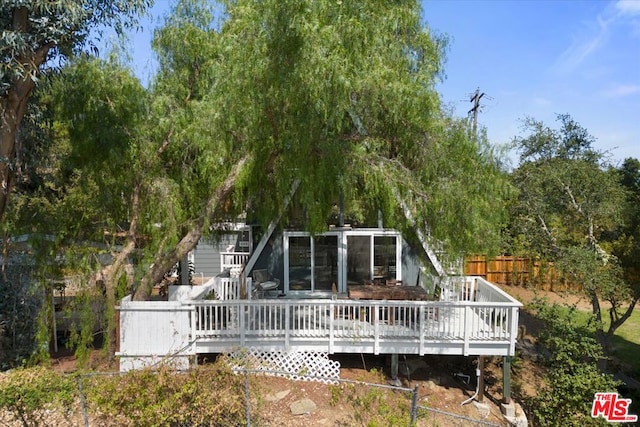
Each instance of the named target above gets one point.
<point>31,33</point>
<point>339,97</point>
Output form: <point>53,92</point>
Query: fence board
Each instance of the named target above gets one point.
<point>518,271</point>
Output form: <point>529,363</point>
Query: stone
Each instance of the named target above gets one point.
<point>483,409</point>
<point>303,407</point>
<point>430,385</point>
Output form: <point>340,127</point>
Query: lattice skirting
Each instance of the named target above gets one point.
<point>306,366</point>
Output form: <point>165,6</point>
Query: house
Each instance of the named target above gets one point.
<point>347,290</point>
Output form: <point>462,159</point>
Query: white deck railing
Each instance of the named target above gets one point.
<point>418,327</point>
<point>476,318</point>
<point>233,261</point>
<point>471,288</point>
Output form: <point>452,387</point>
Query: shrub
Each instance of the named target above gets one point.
<point>573,377</point>
<point>29,394</point>
<point>20,305</point>
<point>204,396</point>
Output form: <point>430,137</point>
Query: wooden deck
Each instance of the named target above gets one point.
<point>475,318</point>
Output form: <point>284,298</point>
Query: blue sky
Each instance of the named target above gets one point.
<point>540,58</point>
<point>530,58</point>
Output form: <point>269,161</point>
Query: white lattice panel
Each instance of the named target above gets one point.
<point>305,366</point>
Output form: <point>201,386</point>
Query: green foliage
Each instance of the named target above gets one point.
<point>566,197</point>
<point>207,395</point>
<point>627,241</point>
<point>341,98</point>
<point>98,107</point>
<point>573,377</point>
<point>570,210</point>
<point>85,312</point>
<point>20,305</point>
<point>63,26</point>
<point>29,394</point>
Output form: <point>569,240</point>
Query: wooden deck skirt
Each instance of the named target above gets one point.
<point>485,325</point>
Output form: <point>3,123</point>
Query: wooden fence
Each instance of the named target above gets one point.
<point>518,271</point>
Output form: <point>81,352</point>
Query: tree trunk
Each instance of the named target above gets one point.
<point>13,105</point>
<point>164,262</point>
<point>110,275</point>
<point>605,337</point>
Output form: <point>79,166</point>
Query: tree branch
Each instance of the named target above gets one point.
<point>191,238</point>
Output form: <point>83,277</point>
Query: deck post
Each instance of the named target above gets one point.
<point>480,378</point>
<point>506,380</point>
<point>394,368</point>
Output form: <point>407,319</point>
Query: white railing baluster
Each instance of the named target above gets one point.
<point>338,325</point>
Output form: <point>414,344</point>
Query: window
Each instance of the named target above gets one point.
<point>340,257</point>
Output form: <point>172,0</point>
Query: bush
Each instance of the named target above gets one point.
<point>573,377</point>
<point>29,394</point>
<point>204,396</point>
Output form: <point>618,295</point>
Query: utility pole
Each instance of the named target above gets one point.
<point>473,112</point>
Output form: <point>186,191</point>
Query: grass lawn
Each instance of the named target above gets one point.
<point>626,340</point>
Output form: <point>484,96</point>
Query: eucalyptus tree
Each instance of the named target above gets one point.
<point>35,33</point>
<point>339,97</point>
<point>569,207</point>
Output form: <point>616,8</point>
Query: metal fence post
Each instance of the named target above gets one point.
<point>83,403</point>
<point>246,398</point>
<point>414,406</point>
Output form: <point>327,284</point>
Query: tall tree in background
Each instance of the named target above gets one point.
<point>32,33</point>
<point>570,205</point>
<point>339,97</point>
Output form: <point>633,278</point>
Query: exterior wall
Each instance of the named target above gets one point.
<point>207,255</point>
<point>411,266</point>
<point>207,259</point>
<point>272,259</point>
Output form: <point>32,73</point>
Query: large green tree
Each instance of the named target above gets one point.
<point>35,33</point>
<point>569,209</point>
<point>338,97</point>
<point>88,185</point>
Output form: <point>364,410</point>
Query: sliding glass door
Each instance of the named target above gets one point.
<point>325,266</point>
<point>346,257</point>
<point>299,263</point>
<point>311,264</point>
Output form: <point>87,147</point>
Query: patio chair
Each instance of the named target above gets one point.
<point>263,283</point>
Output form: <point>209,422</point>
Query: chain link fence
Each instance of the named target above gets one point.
<point>419,415</point>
